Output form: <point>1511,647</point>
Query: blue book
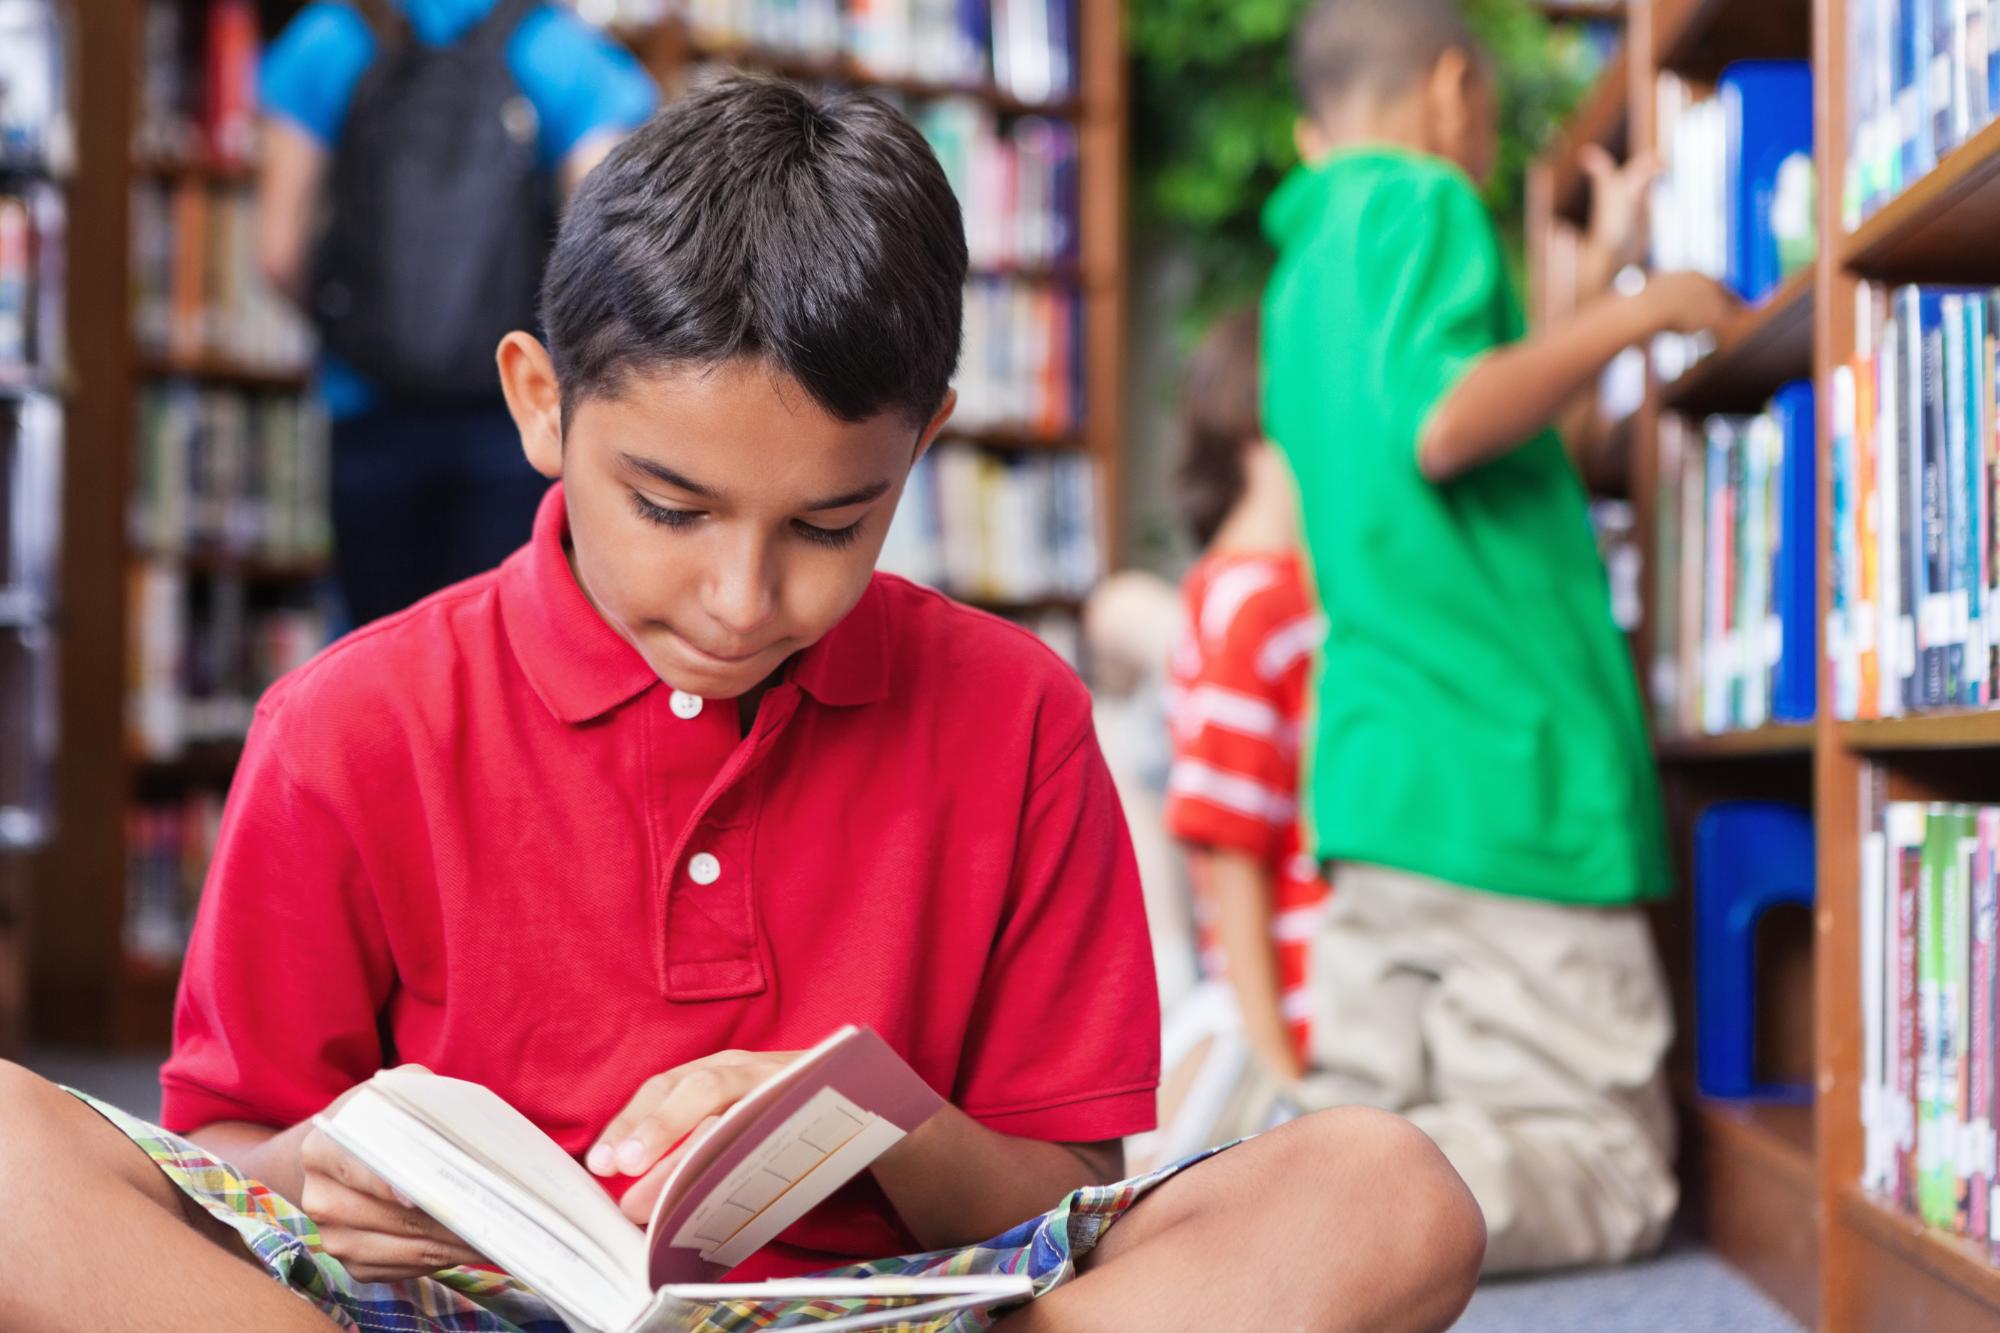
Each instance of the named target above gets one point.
<point>1940,92</point>
<point>1971,491</point>
<point>1913,40</point>
<point>1932,533</point>
<point>1794,695</point>
<point>1769,106</point>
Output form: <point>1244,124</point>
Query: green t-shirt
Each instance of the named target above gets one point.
<point>1477,716</point>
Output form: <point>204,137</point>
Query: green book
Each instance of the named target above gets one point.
<point>1936,1180</point>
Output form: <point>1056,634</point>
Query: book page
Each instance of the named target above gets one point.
<point>480,1122</point>
<point>818,1148</point>
<point>485,1209</point>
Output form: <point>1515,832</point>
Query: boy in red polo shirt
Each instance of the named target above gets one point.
<point>676,790</point>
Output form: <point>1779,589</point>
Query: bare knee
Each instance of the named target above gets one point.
<point>48,1130</point>
<point>1427,1232</point>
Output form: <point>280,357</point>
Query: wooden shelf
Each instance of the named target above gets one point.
<point>1610,11</point>
<point>841,69</point>
<point>204,170</point>
<point>1033,607</point>
<point>221,370</point>
<point>1953,1259</point>
<point>1696,38</point>
<point>999,437</point>
<point>251,568</point>
<point>1776,741</point>
<point>1958,729</point>
<point>1604,119</point>
<point>1780,1136</point>
<point>1942,227</point>
<point>1764,347</point>
<point>202,763</point>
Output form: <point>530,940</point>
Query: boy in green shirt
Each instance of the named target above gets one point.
<point>1478,764</point>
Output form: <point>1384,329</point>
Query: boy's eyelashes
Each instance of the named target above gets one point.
<point>677,519</point>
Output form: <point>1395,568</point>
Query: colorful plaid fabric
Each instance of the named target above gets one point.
<point>465,1300</point>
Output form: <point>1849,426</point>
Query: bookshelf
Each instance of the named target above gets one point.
<point>1777,1189</point>
<point>160,127</point>
<point>36,151</point>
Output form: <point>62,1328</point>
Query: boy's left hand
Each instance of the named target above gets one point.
<point>667,1112</point>
<point>1617,205</point>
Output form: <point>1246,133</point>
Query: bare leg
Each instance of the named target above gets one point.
<point>1349,1219</point>
<point>92,1235</point>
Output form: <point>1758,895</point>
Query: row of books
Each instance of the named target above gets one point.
<point>1735,647</point>
<point>197,291</point>
<point>1922,76</point>
<point>1021,365</point>
<point>31,283</point>
<point>1915,465</point>
<point>35,127</point>
<point>1736,198</point>
<point>995,528</point>
<point>1016,185</point>
<point>31,457</point>
<point>202,651</point>
<point>198,81</point>
<point>1930,874</point>
<point>222,472</point>
<point>1025,48</point>
<point>28,738</point>
<point>168,845</point>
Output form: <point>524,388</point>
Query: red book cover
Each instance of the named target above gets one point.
<point>230,97</point>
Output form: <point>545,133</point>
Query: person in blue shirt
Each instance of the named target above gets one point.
<point>422,494</point>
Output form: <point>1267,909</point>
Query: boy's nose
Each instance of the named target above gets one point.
<point>742,593</point>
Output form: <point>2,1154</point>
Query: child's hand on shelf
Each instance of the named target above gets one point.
<point>363,1222</point>
<point>1617,206</point>
<point>1688,303</point>
<point>668,1113</point>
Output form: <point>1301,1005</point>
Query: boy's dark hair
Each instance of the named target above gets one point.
<point>1379,47</point>
<point>756,218</point>
<point>1218,421</point>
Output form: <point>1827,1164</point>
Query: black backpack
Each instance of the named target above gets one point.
<point>441,216</point>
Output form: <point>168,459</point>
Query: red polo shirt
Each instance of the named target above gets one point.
<point>482,835</point>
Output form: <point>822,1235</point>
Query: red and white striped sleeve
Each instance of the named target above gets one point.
<point>1235,776</point>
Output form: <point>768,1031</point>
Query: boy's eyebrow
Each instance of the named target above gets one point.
<point>874,490</point>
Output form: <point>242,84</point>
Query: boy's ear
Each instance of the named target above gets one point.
<point>929,437</point>
<point>534,399</point>
<point>1450,94</point>
<point>1311,141</point>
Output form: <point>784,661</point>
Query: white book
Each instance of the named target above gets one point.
<point>464,1156</point>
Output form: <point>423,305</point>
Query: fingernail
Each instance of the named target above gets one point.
<point>632,1157</point>
<point>601,1160</point>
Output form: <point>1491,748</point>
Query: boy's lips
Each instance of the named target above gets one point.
<point>720,659</point>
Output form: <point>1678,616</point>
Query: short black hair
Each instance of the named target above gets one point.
<point>757,218</point>
<point>1377,47</point>
<point>1219,420</point>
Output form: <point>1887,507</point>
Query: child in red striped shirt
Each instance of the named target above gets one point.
<point>1238,680</point>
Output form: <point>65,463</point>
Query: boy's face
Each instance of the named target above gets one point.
<point>720,519</point>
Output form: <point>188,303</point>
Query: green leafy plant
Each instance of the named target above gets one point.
<point>1213,110</point>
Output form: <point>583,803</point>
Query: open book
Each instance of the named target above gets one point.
<point>473,1162</point>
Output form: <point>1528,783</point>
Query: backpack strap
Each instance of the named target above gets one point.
<point>493,32</point>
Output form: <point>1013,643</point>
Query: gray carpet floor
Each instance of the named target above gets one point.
<point>1685,1290</point>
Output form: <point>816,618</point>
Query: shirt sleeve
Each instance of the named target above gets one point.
<point>580,82</point>
<point>1065,1043</point>
<point>288,967</point>
<point>1235,777</point>
<point>1445,292</point>
<point>308,74</point>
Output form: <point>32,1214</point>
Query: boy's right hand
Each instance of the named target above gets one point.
<point>1687,303</point>
<point>365,1224</point>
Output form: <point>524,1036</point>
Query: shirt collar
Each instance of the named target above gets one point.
<point>581,668</point>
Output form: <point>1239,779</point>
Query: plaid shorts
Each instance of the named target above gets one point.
<point>464,1300</point>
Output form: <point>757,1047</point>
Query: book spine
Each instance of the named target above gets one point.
<point>1909,494</point>
<point>1843,658</point>
<point>1934,591</point>
<point>1953,513</point>
<point>1867,439</point>
<point>1906,835</point>
<point>1956,1094</point>
<point>1877,1019</point>
<point>1978,1209</point>
<point>1934,1158</point>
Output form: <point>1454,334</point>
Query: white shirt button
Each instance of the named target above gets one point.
<point>703,868</point>
<point>687,707</point>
